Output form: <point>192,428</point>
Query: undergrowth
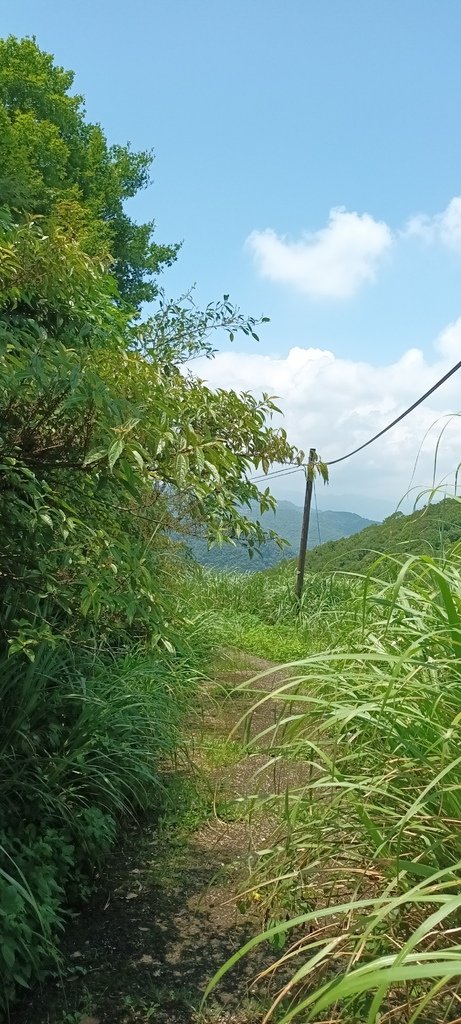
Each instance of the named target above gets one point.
<point>85,741</point>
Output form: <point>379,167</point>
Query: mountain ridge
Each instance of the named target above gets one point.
<point>325,525</point>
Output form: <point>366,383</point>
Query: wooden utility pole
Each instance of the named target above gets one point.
<point>305,524</point>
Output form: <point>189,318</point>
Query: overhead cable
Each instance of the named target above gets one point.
<point>317,513</point>
<point>278,472</point>
<point>398,419</point>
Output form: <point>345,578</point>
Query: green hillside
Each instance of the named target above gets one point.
<point>324,526</point>
<point>429,530</point>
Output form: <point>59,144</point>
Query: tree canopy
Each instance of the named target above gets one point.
<point>60,167</point>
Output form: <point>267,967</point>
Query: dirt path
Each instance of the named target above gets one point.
<point>165,917</point>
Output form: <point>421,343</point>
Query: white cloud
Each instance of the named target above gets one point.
<point>337,260</point>
<point>444,228</point>
<point>333,262</point>
<point>336,404</point>
<point>448,343</point>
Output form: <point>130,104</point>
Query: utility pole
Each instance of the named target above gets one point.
<point>305,524</point>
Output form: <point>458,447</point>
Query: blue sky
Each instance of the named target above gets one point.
<point>265,117</point>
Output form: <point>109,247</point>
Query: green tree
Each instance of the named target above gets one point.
<point>107,443</point>
<point>102,445</point>
<point>57,165</point>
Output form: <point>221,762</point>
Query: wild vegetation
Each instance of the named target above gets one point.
<point>258,612</point>
<point>361,888</point>
<point>106,446</point>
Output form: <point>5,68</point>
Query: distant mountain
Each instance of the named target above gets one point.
<point>324,526</point>
<point>375,509</point>
<point>430,530</point>
<point>371,507</point>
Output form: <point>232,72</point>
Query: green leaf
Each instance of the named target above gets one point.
<point>8,954</point>
<point>182,468</point>
<point>199,460</point>
<point>94,457</point>
<point>115,452</point>
<point>138,458</point>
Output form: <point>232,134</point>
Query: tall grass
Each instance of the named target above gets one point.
<point>84,742</point>
<point>257,612</point>
<point>367,867</point>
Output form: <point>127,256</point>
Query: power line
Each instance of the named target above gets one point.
<point>278,472</point>
<point>334,462</point>
<point>398,419</point>
<point>317,513</point>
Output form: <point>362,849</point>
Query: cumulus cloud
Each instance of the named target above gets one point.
<point>448,343</point>
<point>332,263</point>
<point>337,260</point>
<point>336,404</point>
<point>444,228</point>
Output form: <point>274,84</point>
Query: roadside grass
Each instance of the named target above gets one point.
<point>165,907</point>
<point>361,886</point>
<point>362,889</point>
<point>85,742</point>
<point>258,613</point>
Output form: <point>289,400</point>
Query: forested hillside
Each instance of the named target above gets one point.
<point>286,521</point>
<point>430,530</point>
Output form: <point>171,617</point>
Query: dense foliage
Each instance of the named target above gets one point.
<point>106,445</point>
<point>58,167</point>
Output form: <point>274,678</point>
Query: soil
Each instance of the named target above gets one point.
<point>166,915</point>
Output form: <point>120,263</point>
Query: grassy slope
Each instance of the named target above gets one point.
<point>257,612</point>
<point>430,531</point>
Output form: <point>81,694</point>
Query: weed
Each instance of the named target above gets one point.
<point>139,1009</point>
<point>221,752</point>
